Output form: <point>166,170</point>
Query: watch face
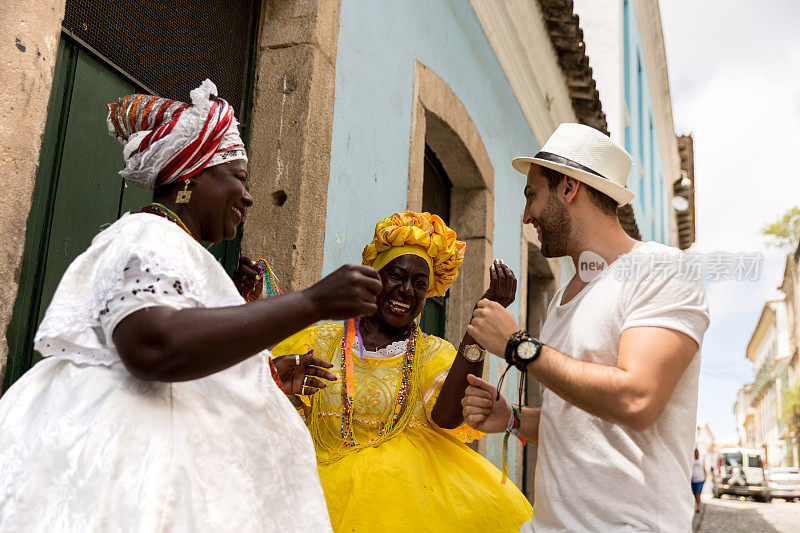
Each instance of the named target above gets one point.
<point>473,353</point>
<point>527,350</point>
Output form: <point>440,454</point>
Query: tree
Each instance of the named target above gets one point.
<point>785,231</point>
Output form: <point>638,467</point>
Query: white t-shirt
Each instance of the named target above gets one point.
<point>698,471</point>
<point>593,475</point>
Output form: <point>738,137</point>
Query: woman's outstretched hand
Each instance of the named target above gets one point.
<point>303,374</point>
<point>481,408</point>
<point>347,292</point>
<point>502,284</point>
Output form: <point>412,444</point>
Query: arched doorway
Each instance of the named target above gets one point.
<point>449,169</point>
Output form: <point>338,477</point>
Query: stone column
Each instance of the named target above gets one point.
<point>290,138</point>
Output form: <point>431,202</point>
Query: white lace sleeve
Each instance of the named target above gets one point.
<point>139,261</point>
<point>141,288</point>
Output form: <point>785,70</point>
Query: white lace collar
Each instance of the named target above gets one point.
<point>393,350</point>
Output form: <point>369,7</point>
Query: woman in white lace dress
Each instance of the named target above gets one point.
<point>155,407</point>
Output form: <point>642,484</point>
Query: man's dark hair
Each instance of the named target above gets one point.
<point>606,204</point>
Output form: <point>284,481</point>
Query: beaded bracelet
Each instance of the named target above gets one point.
<point>511,428</point>
<point>514,423</point>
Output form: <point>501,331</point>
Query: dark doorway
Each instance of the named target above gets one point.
<point>436,191</point>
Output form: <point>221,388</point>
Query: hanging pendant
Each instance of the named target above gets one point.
<point>185,195</point>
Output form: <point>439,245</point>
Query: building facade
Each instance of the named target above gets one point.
<point>770,351</point>
<point>745,419</point>
<point>790,286</point>
<point>624,38</point>
<point>761,406</point>
<point>351,110</point>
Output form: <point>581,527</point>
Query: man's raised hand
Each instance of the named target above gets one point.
<point>481,408</point>
<point>491,326</point>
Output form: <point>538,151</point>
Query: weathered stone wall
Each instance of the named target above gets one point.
<point>290,139</point>
<point>29,35</point>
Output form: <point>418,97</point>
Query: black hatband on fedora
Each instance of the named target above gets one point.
<point>553,158</point>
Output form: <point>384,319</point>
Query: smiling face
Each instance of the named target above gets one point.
<point>405,286</point>
<point>219,200</point>
<point>547,214</point>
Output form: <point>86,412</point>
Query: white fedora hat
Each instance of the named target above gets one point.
<point>587,155</point>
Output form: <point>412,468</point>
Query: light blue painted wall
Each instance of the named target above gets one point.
<point>378,43</point>
<point>647,175</point>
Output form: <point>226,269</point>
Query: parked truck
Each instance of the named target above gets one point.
<point>740,471</point>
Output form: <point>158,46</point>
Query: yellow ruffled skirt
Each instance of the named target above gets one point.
<point>421,480</point>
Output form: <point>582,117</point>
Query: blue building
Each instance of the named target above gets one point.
<point>432,101</point>
<point>625,42</point>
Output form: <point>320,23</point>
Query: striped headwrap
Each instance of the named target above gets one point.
<point>166,141</point>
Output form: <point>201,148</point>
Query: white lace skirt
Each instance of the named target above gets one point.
<point>91,448</point>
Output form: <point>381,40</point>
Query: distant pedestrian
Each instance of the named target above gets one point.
<point>698,478</point>
<point>617,356</point>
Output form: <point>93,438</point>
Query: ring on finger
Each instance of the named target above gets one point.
<point>305,379</point>
<point>296,360</point>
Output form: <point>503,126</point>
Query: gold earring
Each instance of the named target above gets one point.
<point>185,195</point>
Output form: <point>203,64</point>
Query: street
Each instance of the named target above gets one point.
<point>729,515</point>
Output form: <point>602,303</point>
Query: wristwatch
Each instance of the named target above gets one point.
<point>473,353</point>
<point>522,350</point>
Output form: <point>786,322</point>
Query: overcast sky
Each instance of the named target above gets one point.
<point>734,71</point>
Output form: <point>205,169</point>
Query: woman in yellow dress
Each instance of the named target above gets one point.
<point>388,432</point>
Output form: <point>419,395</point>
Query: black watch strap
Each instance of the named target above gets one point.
<point>513,342</point>
<point>512,356</point>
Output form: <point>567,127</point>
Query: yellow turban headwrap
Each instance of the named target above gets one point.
<point>423,235</point>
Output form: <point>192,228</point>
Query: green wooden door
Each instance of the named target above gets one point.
<point>78,190</point>
<point>89,193</point>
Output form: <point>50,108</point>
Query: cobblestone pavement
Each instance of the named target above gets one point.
<point>728,515</point>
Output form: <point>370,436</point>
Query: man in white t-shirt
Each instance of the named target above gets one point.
<point>618,354</point>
